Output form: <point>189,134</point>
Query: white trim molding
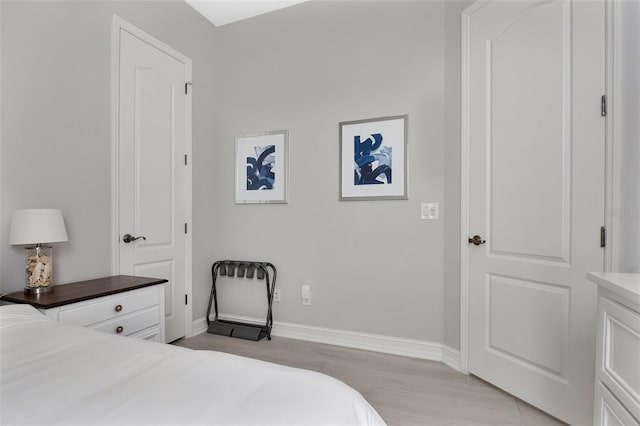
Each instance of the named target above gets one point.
<point>199,326</point>
<point>351,339</point>
<point>613,165</point>
<point>451,357</point>
<point>465,23</point>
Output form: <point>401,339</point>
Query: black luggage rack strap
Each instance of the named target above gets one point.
<point>241,268</point>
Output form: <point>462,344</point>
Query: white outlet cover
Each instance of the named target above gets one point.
<point>306,295</point>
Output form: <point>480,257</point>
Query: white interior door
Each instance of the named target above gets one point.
<point>536,195</point>
<point>153,180</point>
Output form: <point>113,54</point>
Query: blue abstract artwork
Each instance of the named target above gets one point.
<point>260,168</point>
<point>372,161</point>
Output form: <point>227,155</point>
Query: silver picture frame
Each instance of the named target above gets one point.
<point>373,159</point>
<point>262,167</point>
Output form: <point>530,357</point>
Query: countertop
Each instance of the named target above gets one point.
<point>625,285</point>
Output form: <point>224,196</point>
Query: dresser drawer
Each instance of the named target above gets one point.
<point>618,364</point>
<point>153,334</point>
<point>106,308</point>
<point>130,324</point>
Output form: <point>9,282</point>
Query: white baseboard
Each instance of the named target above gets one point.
<point>199,326</point>
<point>351,339</point>
<point>451,357</point>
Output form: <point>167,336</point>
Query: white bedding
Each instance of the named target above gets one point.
<point>53,373</point>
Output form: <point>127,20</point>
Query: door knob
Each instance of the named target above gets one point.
<point>127,238</point>
<point>476,240</point>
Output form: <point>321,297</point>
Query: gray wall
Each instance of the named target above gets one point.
<point>630,191</point>
<point>56,87</point>
<point>374,266</point>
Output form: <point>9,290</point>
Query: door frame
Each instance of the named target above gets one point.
<point>119,24</point>
<point>612,177</point>
<point>465,24</point>
<point>613,132</point>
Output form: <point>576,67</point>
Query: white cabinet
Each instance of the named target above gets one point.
<point>135,313</point>
<point>121,304</point>
<point>617,393</point>
<point>609,411</point>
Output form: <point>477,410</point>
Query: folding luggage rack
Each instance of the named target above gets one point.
<point>241,268</point>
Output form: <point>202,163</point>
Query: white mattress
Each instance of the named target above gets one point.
<point>53,373</point>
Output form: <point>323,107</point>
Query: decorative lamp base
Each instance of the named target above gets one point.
<point>39,269</point>
<point>38,290</point>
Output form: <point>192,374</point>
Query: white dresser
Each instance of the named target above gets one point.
<point>617,392</point>
<point>134,313</point>
<point>121,305</point>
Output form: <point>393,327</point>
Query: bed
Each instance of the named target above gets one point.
<point>60,374</point>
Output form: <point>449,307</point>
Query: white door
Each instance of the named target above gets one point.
<point>153,180</point>
<point>536,195</point>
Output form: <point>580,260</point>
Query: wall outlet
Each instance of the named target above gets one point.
<point>276,295</point>
<point>305,292</point>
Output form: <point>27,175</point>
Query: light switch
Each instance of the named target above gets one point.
<point>430,211</point>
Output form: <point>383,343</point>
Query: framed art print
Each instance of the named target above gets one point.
<point>373,159</point>
<point>262,167</point>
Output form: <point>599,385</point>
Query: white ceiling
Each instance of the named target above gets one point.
<point>222,12</point>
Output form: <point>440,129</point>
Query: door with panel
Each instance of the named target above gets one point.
<point>535,76</point>
<point>153,178</point>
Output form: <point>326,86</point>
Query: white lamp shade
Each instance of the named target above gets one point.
<point>37,226</point>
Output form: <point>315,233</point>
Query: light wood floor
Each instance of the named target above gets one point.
<point>404,391</point>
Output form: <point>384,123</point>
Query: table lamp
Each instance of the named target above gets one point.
<point>36,227</point>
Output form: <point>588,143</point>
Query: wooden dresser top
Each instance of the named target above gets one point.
<point>65,294</point>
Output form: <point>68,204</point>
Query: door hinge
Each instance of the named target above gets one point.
<point>185,300</point>
<point>185,159</point>
<point>186,87</point>
<point>603,105</point>
<point>185,228</point>
<point>603,236</point>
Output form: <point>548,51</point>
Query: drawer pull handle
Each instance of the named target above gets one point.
<point>118,308</point>
<point>120,329</point>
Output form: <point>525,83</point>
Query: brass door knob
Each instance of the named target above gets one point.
<point>120,329</point>
<point>118,308</point>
